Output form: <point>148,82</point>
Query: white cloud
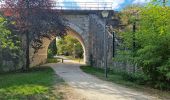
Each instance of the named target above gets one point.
<point>117,3</point>
<point>140,1</point>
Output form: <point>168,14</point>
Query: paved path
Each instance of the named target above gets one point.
<point>92,88</point>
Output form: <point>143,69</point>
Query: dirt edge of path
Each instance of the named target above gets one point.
<point>68,92</point>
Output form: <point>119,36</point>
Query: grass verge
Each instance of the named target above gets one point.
<point>52,60</point>
<point>111,76</point>
<point>75,59</point>
<point>119,78</point>
<point>35,84</point>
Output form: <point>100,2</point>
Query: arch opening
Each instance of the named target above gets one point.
<point>80,39</point>
<point>70,47</point>
<point>41,56</point>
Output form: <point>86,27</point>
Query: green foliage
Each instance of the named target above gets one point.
<point>123,56</point>
<point>52,60</point>
<point>123,78</point>
<point>10,46</point>
<point>125,52</point>
<point>70,46</point>
<point>152,52</point>
<point>50,53</point>
<point>138,81</point>
<point>52,49</point>
<point>36,84</point>
<point>5,33</point>
<point>5,37</point>
<point>139,78</point>
<point>153,38</point>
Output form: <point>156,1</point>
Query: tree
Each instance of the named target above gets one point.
<point>10,49</point>
<point>129,17</point>
<point>52,49</point>
<point>70,46</point>
<point>127,33</point>
<point>3,37</point>
<point>151,53</point>
<point>153,38</point>
<point>4,42</point>
<point>34,19</point>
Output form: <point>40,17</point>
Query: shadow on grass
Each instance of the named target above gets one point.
<point>37,83</point>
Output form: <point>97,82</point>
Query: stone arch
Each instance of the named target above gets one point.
<point>80,39</point>
<point>79,34</point>
<point>41,56</point>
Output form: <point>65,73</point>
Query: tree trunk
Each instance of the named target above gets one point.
<point>134,45</point>
<point>27,51</point>
<point>164,3</point>
<point>0,55</point>
<point>25,47</point>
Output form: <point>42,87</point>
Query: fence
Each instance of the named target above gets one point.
<point>82,5</point>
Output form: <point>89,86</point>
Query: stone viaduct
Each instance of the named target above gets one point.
<point>88,27</point>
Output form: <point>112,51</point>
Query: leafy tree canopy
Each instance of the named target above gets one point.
<point>152,52</point>
<point>36,18</point>
<point>70,46</point>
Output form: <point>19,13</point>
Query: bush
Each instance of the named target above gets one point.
<point>52,60</point>
<point>138,78</point>
<point>11,53</point>
<point>50,53</point>
<point>152,45</point>
<point>162,85</point>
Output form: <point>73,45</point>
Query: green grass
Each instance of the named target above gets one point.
<point>75,59</point>
<point>52,60</point>
<point>35,84</point>
<point>112,76</point>
<point>120,78</point>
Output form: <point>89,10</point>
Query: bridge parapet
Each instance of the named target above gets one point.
<point>82,5</point>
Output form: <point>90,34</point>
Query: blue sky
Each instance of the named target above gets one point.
<point>117,4</point>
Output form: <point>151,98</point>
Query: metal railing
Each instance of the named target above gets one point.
<point>82,5</point>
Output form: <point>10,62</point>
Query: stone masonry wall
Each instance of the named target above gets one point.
<point>97,31</point>
<point>89,29</point>
<point>80,24</point>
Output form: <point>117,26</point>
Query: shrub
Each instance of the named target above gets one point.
<point>138,78</point>
<point>11,53</point>
<point>50,53</point>
<point>152,45</point>
<point>52,60</point>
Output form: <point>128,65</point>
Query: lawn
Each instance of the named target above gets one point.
<point>75,59</point>
<point>53,60</point>
<point>35,84</point>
